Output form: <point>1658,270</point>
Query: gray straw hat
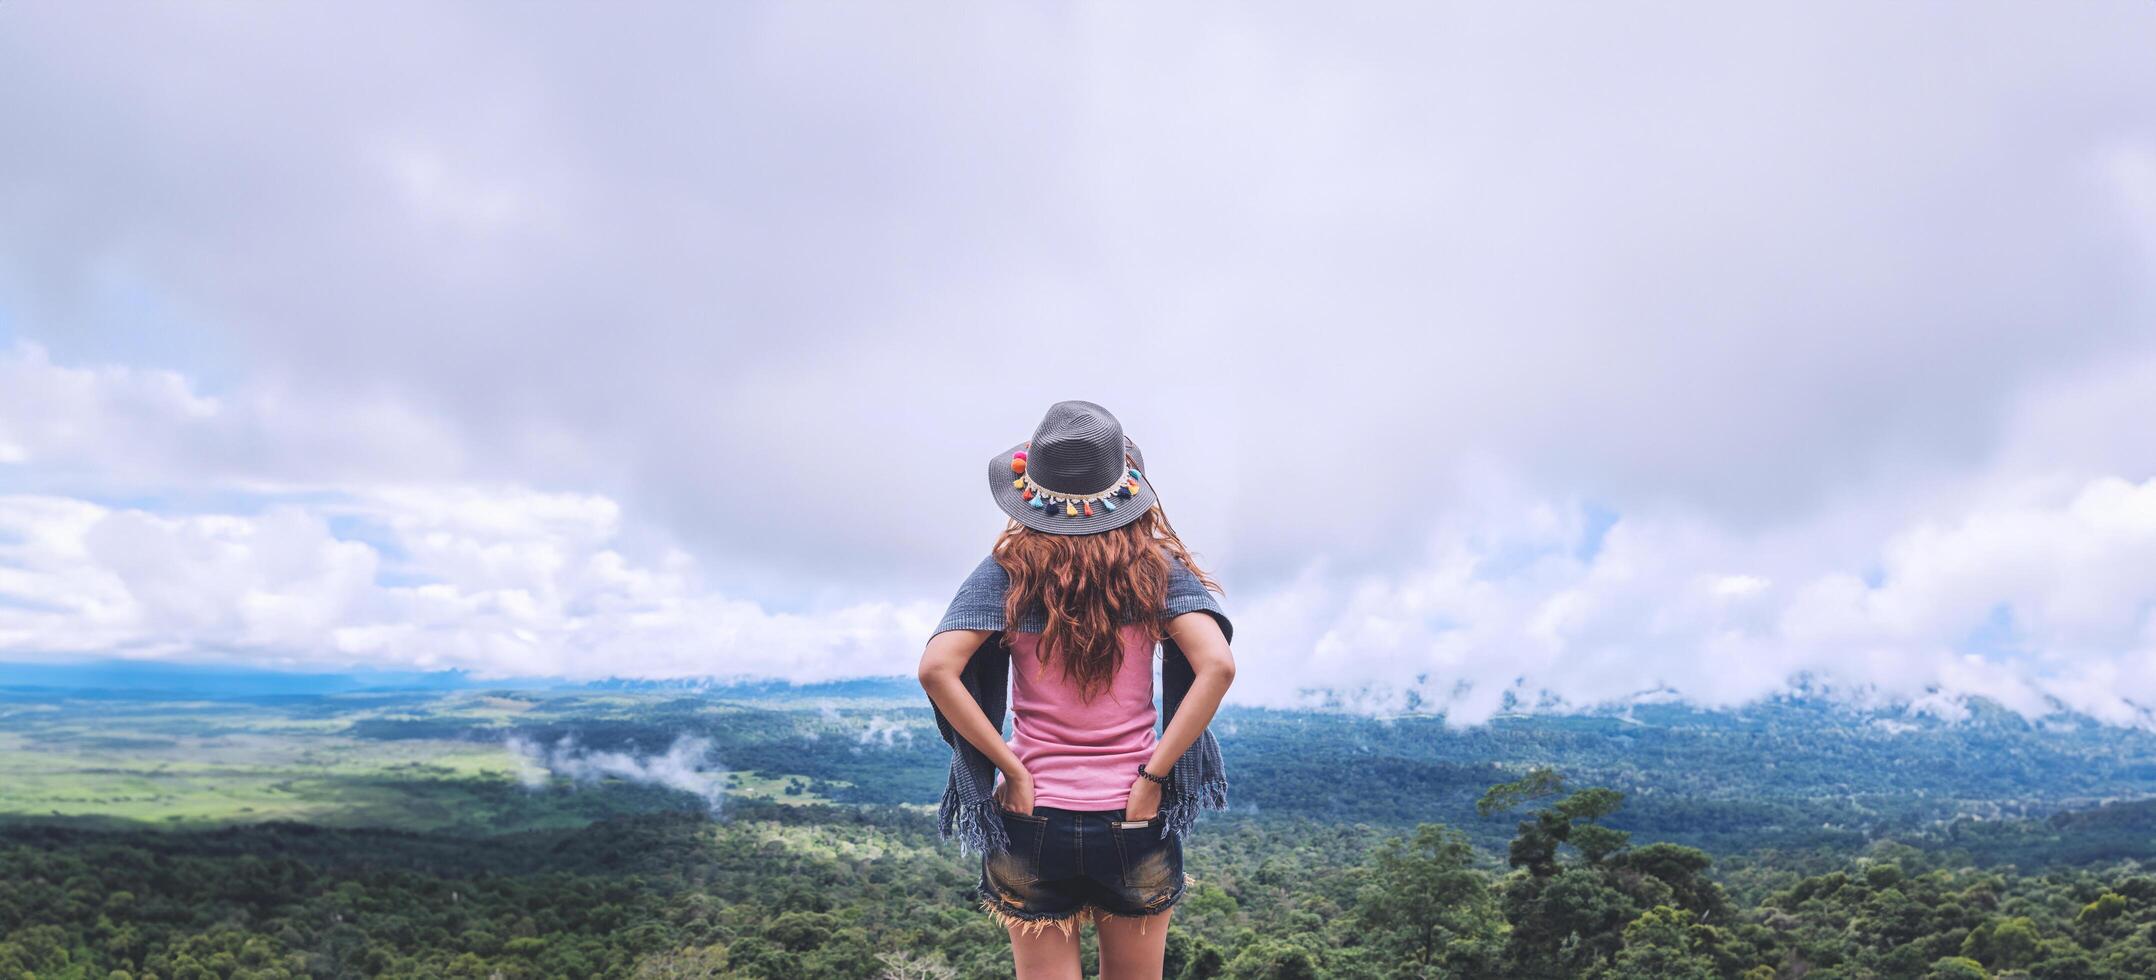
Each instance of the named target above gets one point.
<point>1079,474</point>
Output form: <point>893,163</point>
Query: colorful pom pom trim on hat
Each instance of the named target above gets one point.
<point>1073,504</point>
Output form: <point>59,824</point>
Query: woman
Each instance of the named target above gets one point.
<point>1087,820</point>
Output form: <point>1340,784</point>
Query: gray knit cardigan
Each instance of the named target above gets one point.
<point>1198,780</point>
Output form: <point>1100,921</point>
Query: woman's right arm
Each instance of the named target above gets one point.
<point>946,657</point>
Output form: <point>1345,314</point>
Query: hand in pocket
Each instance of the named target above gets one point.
<point>1016,796</point>
<point>1144,800</point>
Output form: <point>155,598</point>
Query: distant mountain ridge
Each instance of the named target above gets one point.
<point>133,678</point>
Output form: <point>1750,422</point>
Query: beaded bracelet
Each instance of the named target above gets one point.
<point>1163,780</point>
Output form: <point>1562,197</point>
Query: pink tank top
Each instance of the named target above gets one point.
<point>1082,756</point>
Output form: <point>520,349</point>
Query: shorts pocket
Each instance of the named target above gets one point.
<point>1021,863</point>
<point>1152,862</point>
<point>1006,811</point>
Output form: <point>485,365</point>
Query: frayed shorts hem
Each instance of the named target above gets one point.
<point>1034,923</point>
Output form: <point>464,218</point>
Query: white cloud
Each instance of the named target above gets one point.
<point>884,733</point>
<point>484,353</point>
<point>501,581</point>
<point>2027,579</point>
<point>51,414</point>
<point>793,248</point>
<point>2041,598</point>
<point>111,427</point>
<point>688,765</point>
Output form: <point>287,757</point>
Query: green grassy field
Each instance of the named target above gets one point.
<point>1788,774</point>
<point>193,763</point>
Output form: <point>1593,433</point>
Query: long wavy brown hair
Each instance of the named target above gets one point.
<point>1091,586</point>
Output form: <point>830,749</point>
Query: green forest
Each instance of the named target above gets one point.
<point>817,891</point>
<point>409,836</point>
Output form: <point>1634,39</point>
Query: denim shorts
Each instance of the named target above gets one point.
<point>1071,866</point>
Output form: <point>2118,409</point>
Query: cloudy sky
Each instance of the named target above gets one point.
<point>1566,352</point>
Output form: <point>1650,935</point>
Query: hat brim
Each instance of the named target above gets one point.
<point>1002,485</point>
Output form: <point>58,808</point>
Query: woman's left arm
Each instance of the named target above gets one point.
<point>941,664</point>
<point>1206,647</point>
